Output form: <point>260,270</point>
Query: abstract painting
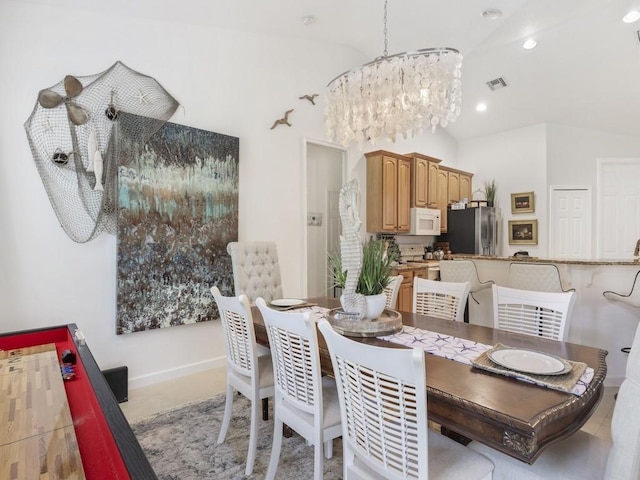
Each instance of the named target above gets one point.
<point>177,210</point>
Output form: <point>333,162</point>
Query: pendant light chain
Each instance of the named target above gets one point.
<point>385,53</point>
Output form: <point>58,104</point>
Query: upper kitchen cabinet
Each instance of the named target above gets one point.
<point>424,181</point>
<point>465,186</point>
<point>442,177</point>
<point>388,192</point>
<point>458,185</point>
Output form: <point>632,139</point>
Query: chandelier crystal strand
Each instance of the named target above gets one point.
<point>394,95</point>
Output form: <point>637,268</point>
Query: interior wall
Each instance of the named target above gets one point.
<point>573,155</point>
<point>231,82</point>
<point>517,161</point>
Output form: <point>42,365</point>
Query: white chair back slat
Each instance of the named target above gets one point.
<point>246,373</point>
<point>304,400</point>
<point>440,299</point>
<point>391,292</point>
<point>383,403</point>
<point>293,368</point>
<point>543,314</point>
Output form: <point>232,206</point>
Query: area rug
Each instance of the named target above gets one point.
<point>181,444</point>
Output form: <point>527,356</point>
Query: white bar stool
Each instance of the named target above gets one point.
<point>459,271</point>
<point>538,277</point>
<point>632,298</point>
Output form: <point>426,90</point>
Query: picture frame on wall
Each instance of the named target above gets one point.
<point>522,202</point>
<point>523,232</point>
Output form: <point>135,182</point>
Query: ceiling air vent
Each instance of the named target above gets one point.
<point>497,83</point>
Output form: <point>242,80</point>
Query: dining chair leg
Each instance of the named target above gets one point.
<point>253,437</point>
<point>228,406</point>
<point>265,409</point>
<point>275,449</point>
<point>318,456</point>
<point>328,449</point>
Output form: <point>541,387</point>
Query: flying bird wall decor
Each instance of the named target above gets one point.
<point>282,121</point>
<point>311,98</point>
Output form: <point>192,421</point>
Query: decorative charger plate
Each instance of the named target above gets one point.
<point>388,323</point>
<point>286,302</point>
<point>530,361</point>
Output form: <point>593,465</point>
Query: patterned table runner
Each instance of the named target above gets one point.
<point>474,353</point>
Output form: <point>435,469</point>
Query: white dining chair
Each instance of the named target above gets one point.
<point>383,404</point>
<point>584,456</point>
<point>304,400</point>
<point>540,277</point>
<point>440,299</point>
<point>247,372</point>
<point>391,292</point>
<point>544,314</point>
<point>256,270</point>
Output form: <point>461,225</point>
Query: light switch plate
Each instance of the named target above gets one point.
<point>314,219</point>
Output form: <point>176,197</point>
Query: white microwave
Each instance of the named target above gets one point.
<point>425,221</point>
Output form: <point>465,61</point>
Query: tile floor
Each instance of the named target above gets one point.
<point>147,401</point>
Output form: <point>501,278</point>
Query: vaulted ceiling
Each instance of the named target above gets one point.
<point>584,72</point>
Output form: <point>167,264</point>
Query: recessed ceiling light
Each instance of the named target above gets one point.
<point>529,44</point>
<point>492,14</point>
<point>631,16</point>
<point>481,107</point>
<point>308,20</point>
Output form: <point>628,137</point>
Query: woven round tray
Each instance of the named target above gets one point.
<point>388,323</point>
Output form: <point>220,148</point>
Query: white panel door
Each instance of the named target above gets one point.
<point>570,222</point>
<point>618,207</point>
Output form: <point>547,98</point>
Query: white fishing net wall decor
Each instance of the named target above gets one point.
<point>74,134</point>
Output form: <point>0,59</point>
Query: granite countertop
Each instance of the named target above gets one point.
<point>547,260</point>
<point>413,265</point>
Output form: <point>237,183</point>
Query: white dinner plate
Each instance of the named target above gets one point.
<point>287,302</point>
<point>530,361</point>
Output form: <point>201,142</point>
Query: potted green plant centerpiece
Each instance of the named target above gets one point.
<point>490,188</point>
<point>375,275</point>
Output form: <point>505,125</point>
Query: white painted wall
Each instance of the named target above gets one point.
<point>230,82</point>
<point>517,160</point>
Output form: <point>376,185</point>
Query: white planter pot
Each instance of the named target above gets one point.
<point>375,305</point>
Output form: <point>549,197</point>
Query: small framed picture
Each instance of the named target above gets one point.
<point>522,203</point>
<point>523,232</point>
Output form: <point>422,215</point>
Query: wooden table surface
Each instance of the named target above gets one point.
<point>510,415</point>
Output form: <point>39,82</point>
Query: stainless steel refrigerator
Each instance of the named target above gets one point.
<point>472,231</point>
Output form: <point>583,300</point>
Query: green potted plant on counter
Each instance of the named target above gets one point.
<point>374,276</point>
<point>490,189</point>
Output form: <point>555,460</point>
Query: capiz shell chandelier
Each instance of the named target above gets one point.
<point>394,95</point>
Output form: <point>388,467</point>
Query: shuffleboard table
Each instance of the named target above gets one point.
<point>51,428</point>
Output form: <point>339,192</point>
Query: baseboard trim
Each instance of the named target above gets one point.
<point>165,375</point>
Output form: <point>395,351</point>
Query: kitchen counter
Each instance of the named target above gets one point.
<point>564,261</point>
<point>595,321</point>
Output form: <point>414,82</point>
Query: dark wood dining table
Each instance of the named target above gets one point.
<point>510,415</point>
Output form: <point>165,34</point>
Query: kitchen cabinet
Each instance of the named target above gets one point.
<point>419,182</point>
<point>405,293</point>
<point>424,182</point>
<point>443,196</point>
<point>388,192</point>
<point>465,186</point>
<point>453,186</point>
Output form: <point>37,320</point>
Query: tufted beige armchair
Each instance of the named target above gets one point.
<point>256,271</point>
